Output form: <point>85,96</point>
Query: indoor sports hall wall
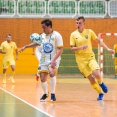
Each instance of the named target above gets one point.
<point>20,29</point>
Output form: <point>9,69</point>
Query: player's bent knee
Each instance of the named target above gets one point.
<point>43,80</point>
<point>52,75</point>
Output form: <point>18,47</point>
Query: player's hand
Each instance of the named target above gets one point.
<point>3,52</point>
<point>83,47</point>
<point>53,64</point>
<point>22,49</point>
<point>111,51</point>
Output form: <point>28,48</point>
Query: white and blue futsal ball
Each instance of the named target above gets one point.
<point>36,38</point>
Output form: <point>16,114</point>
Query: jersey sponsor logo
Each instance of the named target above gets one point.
<point>48,48</point>
<point>77,37</point>
<point>86,36</point>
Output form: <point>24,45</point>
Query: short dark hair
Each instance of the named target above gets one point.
<point>47,22</point>
<point>8,35</point>
<point>81,17</point>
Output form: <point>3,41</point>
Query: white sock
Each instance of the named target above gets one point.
<point>44,87</point>
<point>53,84</point>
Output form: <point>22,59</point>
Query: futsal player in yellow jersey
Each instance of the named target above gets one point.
<point>80,42</point>
<point>7,48</point>
<point>114,56</point>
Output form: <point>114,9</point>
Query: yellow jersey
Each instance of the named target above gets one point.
<point>79,39</point>
<point>9,49</point>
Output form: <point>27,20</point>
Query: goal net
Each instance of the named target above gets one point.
<point>104,57</point>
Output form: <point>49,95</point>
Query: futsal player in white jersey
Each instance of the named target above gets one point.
<point>52,48</point>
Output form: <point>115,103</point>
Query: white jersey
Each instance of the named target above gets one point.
<point>49,46</point>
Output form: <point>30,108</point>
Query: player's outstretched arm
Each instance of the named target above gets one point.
<point>101,43</point>
<point>27,46</point>
<point>22,49</point>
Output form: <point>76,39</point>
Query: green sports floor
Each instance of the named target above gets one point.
<point>12,106</point>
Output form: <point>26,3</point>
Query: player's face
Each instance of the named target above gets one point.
<point>80,25</point>
<point>46,29</point>
<point>8,38</point>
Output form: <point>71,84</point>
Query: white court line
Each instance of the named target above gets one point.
<point>27,103</point>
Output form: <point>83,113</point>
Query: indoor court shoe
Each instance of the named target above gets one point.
<point>53,98</point>
<point>4,81</point>
<point>101,96</point>
<point>37,77</point>
<point>104,87</point>
<point>43,98</point>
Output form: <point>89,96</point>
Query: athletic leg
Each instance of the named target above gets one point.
<point>97,75</point>
<point>4,76</point>
<point>43,77</point>
<point>52,73</point>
